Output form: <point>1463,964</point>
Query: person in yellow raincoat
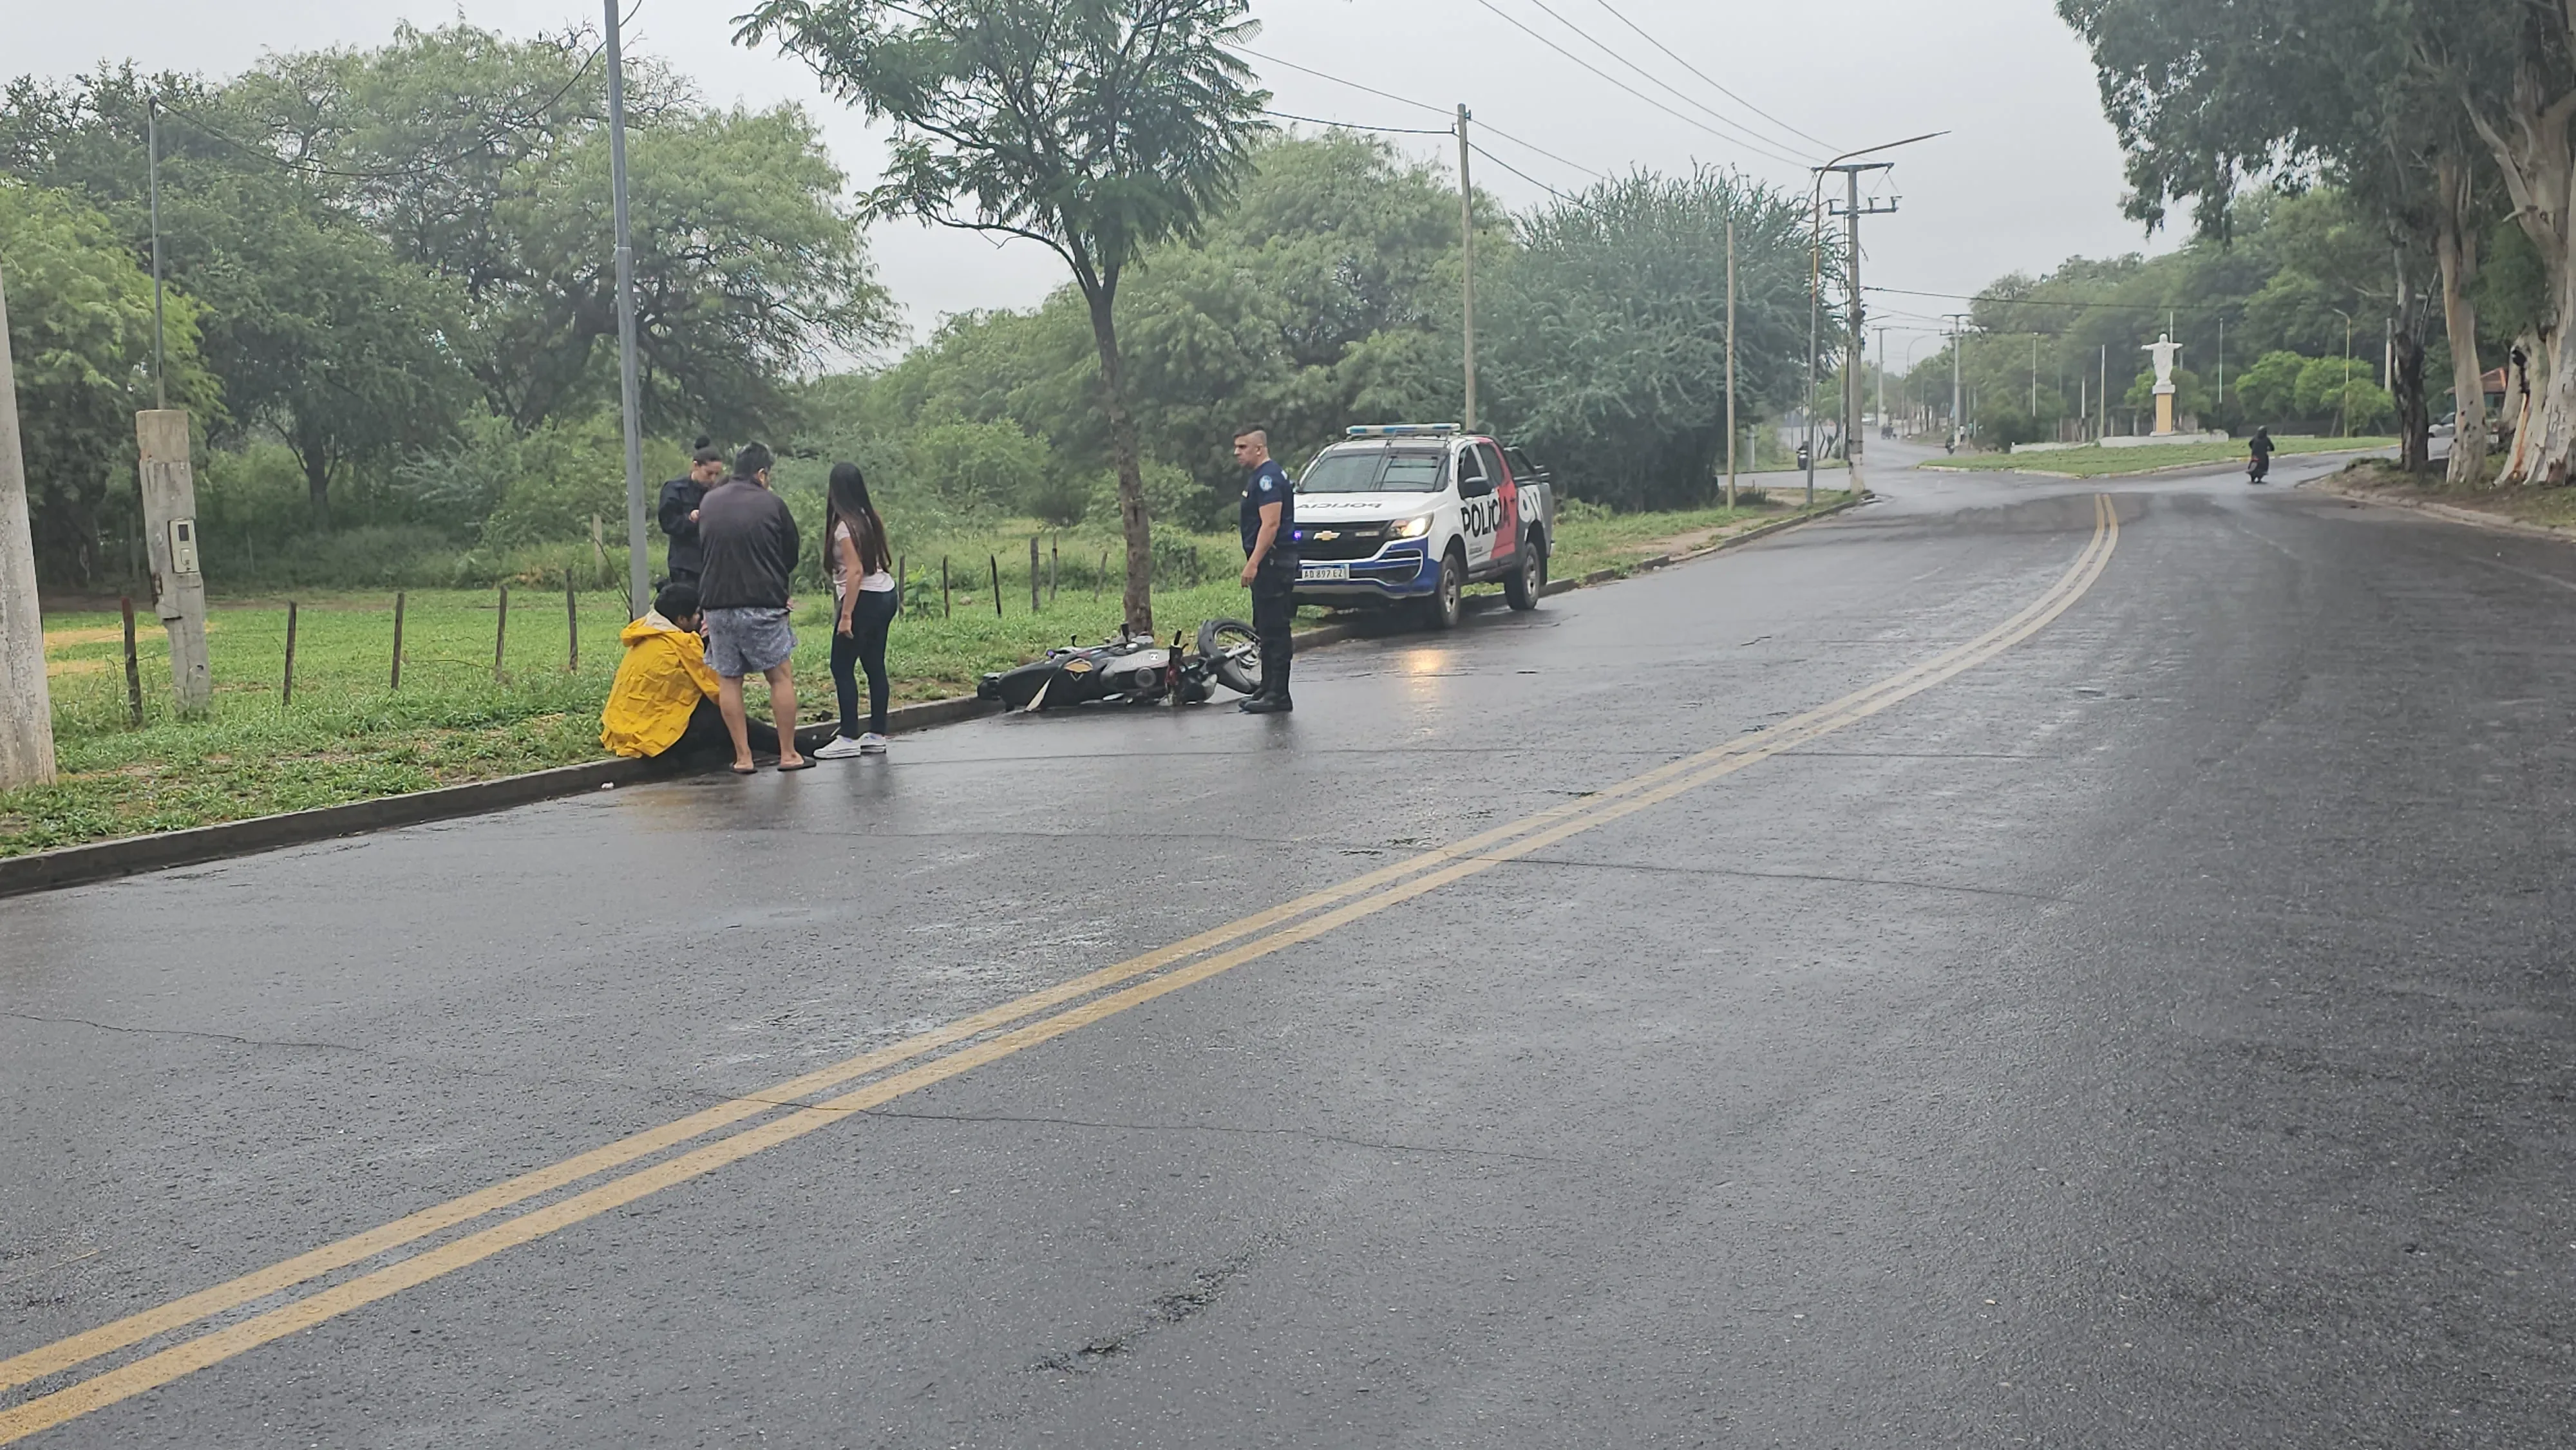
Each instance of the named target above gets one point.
<point>663,702</point>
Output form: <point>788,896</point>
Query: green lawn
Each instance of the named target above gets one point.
<point>351,734</point>
<point>2099,462</point>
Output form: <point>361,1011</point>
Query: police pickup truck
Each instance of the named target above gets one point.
<point>1409,514</point>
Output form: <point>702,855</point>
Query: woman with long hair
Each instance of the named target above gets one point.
<point>864,598</point>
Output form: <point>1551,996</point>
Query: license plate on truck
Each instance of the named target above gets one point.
<point>1325,571</point>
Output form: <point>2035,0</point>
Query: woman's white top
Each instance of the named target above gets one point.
<point>878,582</point>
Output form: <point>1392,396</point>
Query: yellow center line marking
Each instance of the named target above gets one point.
<point>1430,871</point>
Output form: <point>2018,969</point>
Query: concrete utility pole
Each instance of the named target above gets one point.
<point>152,171</point>
<point>1958,344</point>
<point>1730,364</point>
<point>1467,263</point>
<point>1852,212</point>
<point>1815,292</point>
<point>630,397</point>
<point>26,706</point>
<point>2102,398</point>
<point>1885,428</point>
<point>170,535</point>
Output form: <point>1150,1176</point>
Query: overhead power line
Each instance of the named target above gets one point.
<point>1489,129</point>
<point>1750,135</point>
<point>2046,301</point>
<point>1712,80</point>
<point>1633,92</point>
<point>1449,130</point>
<point>1356,126</point>
<point>1339,81</point>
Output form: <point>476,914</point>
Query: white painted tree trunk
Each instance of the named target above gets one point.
<point>2456,247</point>
<point>2532,148</point>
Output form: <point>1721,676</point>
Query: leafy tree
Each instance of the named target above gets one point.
<point>485,160</point>
<point>2269,390</point>
<point>1609,330</point>
<point>80,335</point>
<point>2207,94</point>
<point>317,331</point>
<point>1096,128</point>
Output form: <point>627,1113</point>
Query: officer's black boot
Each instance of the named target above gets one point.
<point>1273,699</point>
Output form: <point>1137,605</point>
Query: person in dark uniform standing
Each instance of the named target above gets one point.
<point>1269,565</point>
<point>679,511</point>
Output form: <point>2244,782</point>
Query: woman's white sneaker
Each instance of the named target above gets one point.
<point>871,744</point>
<point>842,747</point>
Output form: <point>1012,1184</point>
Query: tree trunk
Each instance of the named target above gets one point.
<point>2406,375</point>
<point>1132,518</point>
<point>316,459</point>
<point>2532,148</point>
<point>2455,245</point>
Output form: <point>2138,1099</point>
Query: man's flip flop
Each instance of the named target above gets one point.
<point>803,763</point>
<point>746,770</point>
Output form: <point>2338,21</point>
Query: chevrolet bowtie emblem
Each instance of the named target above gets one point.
<point>1328,535</point>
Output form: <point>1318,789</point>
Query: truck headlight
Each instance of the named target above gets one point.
<point>1411,528</point>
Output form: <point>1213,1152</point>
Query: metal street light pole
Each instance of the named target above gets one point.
<point>1467,264</point>
<point>630,397</point>
<point>2343,406</point>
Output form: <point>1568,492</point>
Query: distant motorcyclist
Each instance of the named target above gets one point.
<point>2259,449</point>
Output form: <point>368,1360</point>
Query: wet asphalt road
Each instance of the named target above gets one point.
<point>2160,1034</point>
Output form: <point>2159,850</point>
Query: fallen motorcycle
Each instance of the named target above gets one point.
<point>1133,669</point>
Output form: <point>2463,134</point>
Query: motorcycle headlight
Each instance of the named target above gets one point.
<point>1411,528</point>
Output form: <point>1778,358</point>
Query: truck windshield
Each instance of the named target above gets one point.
<point>1375,470</point>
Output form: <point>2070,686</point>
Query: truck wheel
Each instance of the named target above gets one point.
<point>1448,602</point>
<point>1527,582</point>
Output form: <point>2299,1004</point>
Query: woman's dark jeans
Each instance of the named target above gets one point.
<point>865,644</point>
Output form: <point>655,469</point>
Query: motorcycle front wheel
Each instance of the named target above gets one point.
<point>1233,654</point>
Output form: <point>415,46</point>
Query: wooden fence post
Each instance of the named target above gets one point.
<point>398,624</point>
<point>902,585</point>
<point>1033,574</point>
<point>286,691</point>
<point>133,669</point>
<point>944,609</point>
<point>995,560</point>
<point>1054,554</point>
<point>1102,577</point>
<point>572,629</point>
<point>501,638</point>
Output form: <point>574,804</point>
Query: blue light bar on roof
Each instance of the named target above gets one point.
<point>1403,430</point>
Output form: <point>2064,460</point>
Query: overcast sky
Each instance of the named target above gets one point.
<point>2028,174</point>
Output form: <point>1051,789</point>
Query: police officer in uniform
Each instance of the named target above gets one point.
<point>1269,525</point>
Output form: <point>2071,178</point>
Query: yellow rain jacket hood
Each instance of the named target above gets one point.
<point>662,679</point>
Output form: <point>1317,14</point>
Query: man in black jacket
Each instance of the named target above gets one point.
<point>679,511</point>
<point>749,543</point>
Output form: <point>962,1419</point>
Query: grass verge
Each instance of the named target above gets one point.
<point>2096,461</point>
<point>2371,477</point>
<point>350,732</point>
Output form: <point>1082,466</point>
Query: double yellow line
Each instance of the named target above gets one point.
<point>981,1038</point>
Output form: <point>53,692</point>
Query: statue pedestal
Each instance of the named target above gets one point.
<point>2164,410</point>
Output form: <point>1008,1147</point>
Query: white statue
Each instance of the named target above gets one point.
<point>2164,348</point>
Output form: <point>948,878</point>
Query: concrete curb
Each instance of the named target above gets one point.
<point>131,855</point>
<point>2452,513</point>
